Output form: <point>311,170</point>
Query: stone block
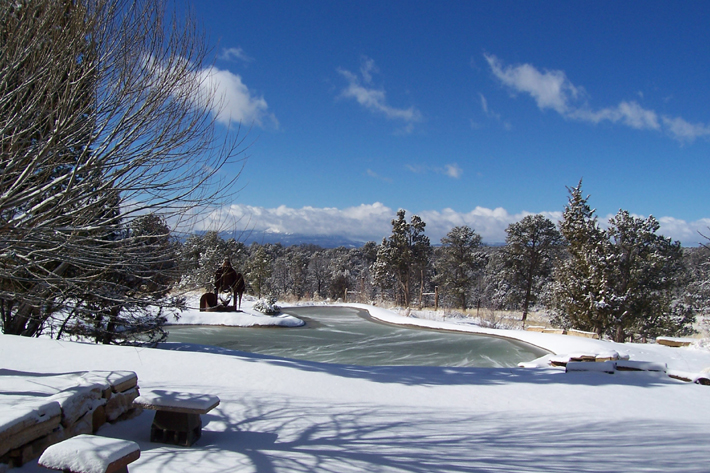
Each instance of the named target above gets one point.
<point>557,331</point>
<point>98,418</point>
<point>23,426</point>
<point>119,404</point>
<point>579,333</point>
<point>674,342</point>
<point>31,450</point>
<point>84,425</point>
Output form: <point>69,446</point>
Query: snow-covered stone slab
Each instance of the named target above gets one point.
<point>172,401</point>
<point>601,367</point>
<point>607,356</point>
<point>674,342</point>
<point>77,401</point>
<point>90,454</point>
<point>120,404</point>
<point>22,424</point>
<point>580,333</point>
<point>535,328</point>
<point>119,381</point>
<point>697,378</point>
<point>626,365</point>
<point>557,331</point>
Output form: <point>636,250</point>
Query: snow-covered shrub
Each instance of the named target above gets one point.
<point>267,306</point>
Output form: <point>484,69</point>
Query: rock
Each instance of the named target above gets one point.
<point>119,404</point>
<point>19,426</point>
<point>674,342</point>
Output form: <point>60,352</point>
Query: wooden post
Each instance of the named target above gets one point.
<point>436,298</point>
<point>345,295</point>
<point>421,289</point>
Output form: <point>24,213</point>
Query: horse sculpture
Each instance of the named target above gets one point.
<point>229,284</point>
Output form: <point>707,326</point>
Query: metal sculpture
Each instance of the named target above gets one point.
<point>229,287</point>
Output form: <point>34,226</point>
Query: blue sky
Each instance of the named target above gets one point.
<point>464,112</point>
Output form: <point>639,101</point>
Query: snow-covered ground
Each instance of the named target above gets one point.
<point>279,415</point>
<point>246,317</point>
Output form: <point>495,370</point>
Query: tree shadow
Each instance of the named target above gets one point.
<point>265,438</point>
<point>442,376</point>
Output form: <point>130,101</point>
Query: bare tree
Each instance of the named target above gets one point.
<point>105,115</point>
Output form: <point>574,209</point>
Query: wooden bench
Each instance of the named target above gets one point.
<point>90,454</point>
<point>177,418</point>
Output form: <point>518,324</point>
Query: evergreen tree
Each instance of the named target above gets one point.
<point>531,245</point>
<point>645,270</point>
<point>579,292</point>
<point>459,263</point>
<point>201,255</point>
<point>259,270</point>
<point>403,257</point>
<point>621,281</point>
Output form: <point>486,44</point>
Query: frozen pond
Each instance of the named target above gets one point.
<point>349,336</point>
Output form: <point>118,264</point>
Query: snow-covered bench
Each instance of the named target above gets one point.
<point>177,418</point>
<point>90,454</point>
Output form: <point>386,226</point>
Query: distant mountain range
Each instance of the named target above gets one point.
<point>289,239</point>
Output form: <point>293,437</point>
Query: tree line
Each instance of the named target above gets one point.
<point>620,282</point>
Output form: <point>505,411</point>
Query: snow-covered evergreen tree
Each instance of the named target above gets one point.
<point>621,281</point>
<point>459,263</point>
<point>531,246</point>
<point>403,257</point>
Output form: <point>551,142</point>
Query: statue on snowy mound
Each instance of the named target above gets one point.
<point>229,287</point>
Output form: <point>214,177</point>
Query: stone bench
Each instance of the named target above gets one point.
<point>177,418</point>
<point>90,454</point>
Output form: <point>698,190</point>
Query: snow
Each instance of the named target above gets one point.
<point>248,317</point>
<point>181,401</point>
<point>279,415</point>
<point>86,453</point>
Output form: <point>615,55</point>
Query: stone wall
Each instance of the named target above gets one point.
<point>30,421</point>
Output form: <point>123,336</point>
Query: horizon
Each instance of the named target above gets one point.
<point>463,113</point>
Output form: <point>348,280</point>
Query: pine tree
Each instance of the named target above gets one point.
<point>621,281</point>
<point>403,257</point>
<point>580,292</point>
<point>259,270</point>
<point>531,246</point>
<point>459,264</point>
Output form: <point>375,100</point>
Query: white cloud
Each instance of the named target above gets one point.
<point>629,113</point>
<point>373,222</point>
<point>233,102</point>
<point>221,92</point>
<point>372,98</point>
<point>234,54</point>
<point>484,104</point>
<point>451,170</point>
<point>491,114</point>
<point>373,174</point>
<point>552,90</point>
<point>364,222</point>
<point>683,131</point>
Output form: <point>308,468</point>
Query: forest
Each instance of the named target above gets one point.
<point>623,282</point>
